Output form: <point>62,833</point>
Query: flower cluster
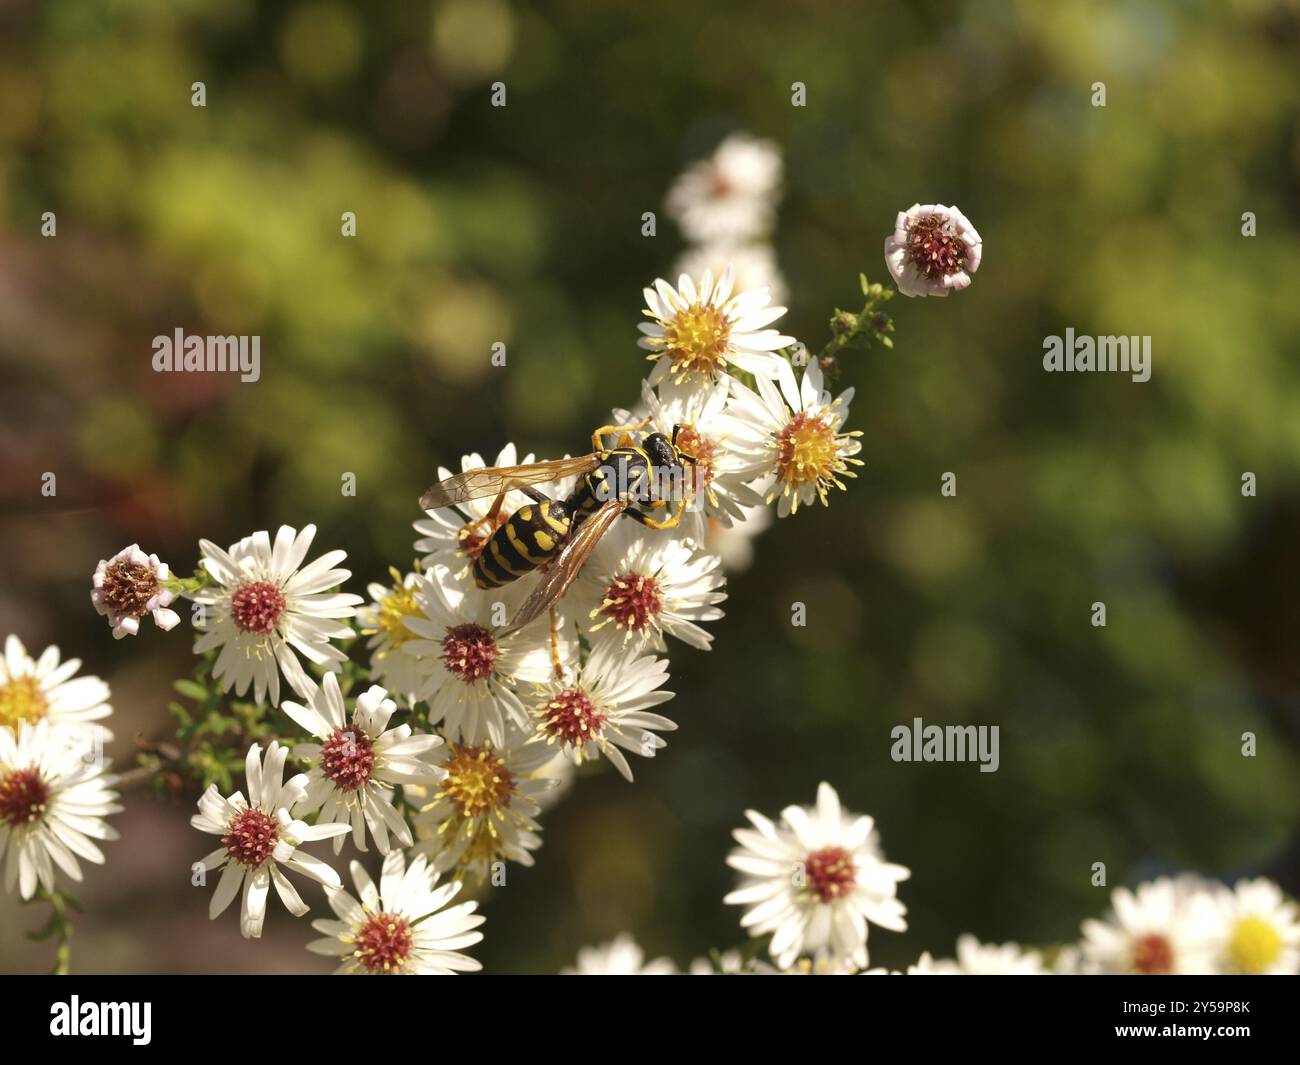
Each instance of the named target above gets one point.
<point>815,881</point>
<point>443,741</point>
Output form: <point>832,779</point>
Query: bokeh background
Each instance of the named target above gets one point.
<point>481,224</point>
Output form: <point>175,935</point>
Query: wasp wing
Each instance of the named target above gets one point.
<point>491,480</point>
<point>565,566</point>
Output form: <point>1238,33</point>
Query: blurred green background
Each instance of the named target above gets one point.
<point>479,224</point>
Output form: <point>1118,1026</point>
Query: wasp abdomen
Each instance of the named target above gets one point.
<point>529,538</point>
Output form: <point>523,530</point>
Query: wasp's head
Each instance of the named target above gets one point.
<point>662,451</point>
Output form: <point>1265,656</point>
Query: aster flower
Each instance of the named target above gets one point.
<point>1258,929</point>
<point>932,251</point>
<point>358,762</point>
<point>128,586</point>
<point>260,840</point>
<point>400,927</point>
<point>696,332</point>
<point>753,265</point>
<point>637,587</point>
<point>814,881</point>
<point>264,608</point>
<point>34,690</point>
<point>54,797</point>
<point>732,194</point>
<point>383,620</point>
<point>455,536</point>
<point>790,436</point>
<point>604,709</point>
<point>734,544</point>
<point>619,957</point>
<point>484,809</point>
<point>715,490</point>
<point>469,666</point>
<point>1157,930</point>
<point>988,959</point>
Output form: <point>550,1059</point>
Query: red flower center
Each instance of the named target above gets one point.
<point>23,798</point>
<point>348,758</point>
<point>256,607</point>
<point>1153,955</point>
<point>934,249</point>
<point>383,943</point>
<point>128,587</point>
<point>572,717</point>
<point>632,602</point>
<point>830,873</point>
<point>469,651</point>
<point>251,837</point>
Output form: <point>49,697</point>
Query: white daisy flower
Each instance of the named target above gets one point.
<point>698,416</point>
<point>724,963</point>
<point>933,250</point>
<point>814,881</point>
<point>400,927</point>
<point>264,608</point>
<point>732,194</point>
<point>734,543</point>
<point>790,436</point>
<point>33,690</point>
<point>989,959</point>
<point>259,840</point>
<point>358,763</point>
<point>1156,930</point>
<point>752,265</point>
<point>469,666</point>
<point>1259,930</point>
<point>604,709</point>
<point>383,620</point>
<point>639,585</point>
<point>619,957</point>
<point>455,536</point>
<point>484,809</point>
<point>54,796</point>
<point>128,586</point>
<point>696,333</point>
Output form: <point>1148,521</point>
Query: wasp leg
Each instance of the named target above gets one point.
<point>490,518</point>
<point>597,438</point>
<point>555,645</point>
<point>671,522</point>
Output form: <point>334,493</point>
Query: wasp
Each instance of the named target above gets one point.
<point>617,479</point>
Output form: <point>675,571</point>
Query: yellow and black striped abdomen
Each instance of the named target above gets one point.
<point>531,536</point>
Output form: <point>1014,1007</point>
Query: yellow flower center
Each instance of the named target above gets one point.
<point>21,700</point>
<point>478,782</point>
<point>696,340</point>
<point>394,608</point>
<point>808,453</point>
<point>1254,946</point>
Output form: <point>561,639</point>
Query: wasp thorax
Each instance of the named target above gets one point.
<point>695,340</point>
<point>470,652</point>
<point>256,607</point>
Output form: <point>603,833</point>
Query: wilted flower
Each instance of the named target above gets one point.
<point>932,251</point>
<point>128,586</point>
